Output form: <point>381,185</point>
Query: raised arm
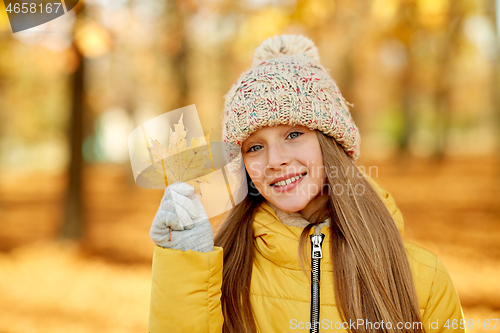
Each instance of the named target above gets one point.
<point>187,269</point>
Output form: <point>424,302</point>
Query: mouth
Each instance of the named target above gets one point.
<point>288,181</point>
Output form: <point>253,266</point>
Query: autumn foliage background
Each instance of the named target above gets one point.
<point>75,253</point>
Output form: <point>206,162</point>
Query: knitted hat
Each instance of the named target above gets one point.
<point>287,85</point>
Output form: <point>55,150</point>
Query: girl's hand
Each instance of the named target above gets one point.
<point>181,221</point>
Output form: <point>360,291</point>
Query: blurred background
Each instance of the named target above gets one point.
<point>75,255</point>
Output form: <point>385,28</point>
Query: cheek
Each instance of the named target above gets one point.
<point>314,162</point>
<point>255,171</point>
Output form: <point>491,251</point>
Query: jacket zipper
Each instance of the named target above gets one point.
<point>316,255</point>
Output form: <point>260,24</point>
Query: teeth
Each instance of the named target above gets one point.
<point>288,181</point>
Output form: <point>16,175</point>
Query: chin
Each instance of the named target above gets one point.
<point>290,207</point>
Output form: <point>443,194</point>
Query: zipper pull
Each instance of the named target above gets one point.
<point>316,241</point>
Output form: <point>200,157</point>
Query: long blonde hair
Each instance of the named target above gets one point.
<point>372,276</point>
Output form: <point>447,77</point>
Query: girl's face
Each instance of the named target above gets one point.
<point>292,154</point>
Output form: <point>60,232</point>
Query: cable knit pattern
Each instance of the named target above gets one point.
<point>287,85</point>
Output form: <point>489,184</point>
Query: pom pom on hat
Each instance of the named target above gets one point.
<point>285,45</point>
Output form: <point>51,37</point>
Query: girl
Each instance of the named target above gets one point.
<point>316,245</point>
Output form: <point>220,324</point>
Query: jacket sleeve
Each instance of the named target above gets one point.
<point>443,312</point>
<point>186,291</point>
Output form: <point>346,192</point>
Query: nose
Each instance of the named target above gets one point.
<point>278,155</point>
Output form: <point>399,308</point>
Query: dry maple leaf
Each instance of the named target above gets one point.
<point>179,162</point>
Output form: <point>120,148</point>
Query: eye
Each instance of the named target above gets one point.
<point>250,150</point>
<point>296,136</point>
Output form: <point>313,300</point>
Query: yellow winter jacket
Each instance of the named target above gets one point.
<point>185,295</point>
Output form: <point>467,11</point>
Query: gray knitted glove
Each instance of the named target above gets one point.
<point>181,221</point>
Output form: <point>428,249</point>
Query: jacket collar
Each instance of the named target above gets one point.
<point>292,219</point>
<point>277,233</point>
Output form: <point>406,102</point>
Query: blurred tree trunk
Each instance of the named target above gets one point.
<point>356,21</point>
<point>449,42</point>
<point>406,26</point>
<point>493,11</point>
<point>177,45</point>
<point>72,227</point>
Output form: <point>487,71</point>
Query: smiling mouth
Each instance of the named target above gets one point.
<point>288,181</point>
